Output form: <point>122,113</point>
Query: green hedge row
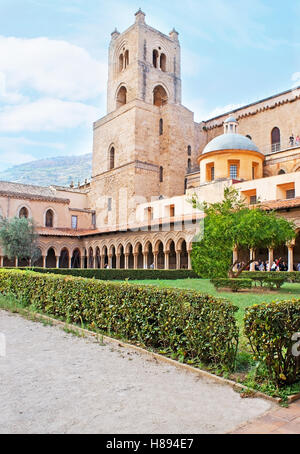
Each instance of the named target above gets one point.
<point>287,276</point>
<point>270,328</point>
<point>185,322</point>
<point>121,274</point>
<point>234,284</point>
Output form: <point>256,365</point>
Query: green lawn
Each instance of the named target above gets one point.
<point>242,300</point>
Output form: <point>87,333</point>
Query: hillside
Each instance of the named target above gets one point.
<point>45,172</point>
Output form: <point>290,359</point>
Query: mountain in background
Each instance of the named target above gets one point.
<point>60,171</point>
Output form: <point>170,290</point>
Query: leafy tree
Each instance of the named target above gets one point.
<point>231,224</point>
<point>18,238</point>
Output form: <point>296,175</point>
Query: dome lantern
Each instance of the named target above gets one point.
<point>230,125</point>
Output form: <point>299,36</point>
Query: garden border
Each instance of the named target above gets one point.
<point>200,372</point>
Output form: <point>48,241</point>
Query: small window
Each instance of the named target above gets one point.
<point>212,173</point>
<point>275,139</point>
<point>249,137</point>
<point>49,218</point>
<point>155,58</point>
<point>163,62</point>
<point>109,204</point>
<point>189,150</point>
<point>161,127</point>
<point>233,171</point>
<point>281,172</point>
<point>161,174</point>
<point>94,219</point>
<point>23,213</point>
<point>290,194</point>
<point>126,58</point>
<point>112,158</point>
<point>253,199</point>
<point>189,165</point>
<point>74,222</point>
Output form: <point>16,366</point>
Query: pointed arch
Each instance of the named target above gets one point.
<point>160,96</point>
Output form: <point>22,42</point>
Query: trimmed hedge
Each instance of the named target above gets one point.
<point>268,279</point>
<point>234,284</point>
<point>288,276</point>
<point>120,274</point>
<point>269,328</point>
<point>187,323</point>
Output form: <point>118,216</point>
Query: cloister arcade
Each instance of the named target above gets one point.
<point>158,252</point>
<point>139,253</point>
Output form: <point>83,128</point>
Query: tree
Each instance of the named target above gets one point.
<point>18,238</point>
<point>231,224</point>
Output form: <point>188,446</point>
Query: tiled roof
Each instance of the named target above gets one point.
<point>30,192</point>
<point>45,231</point>
<point>281,204</point>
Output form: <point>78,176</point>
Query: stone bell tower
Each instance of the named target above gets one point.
<point>140,145</point>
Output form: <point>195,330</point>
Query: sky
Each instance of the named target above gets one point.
<point>53,63</point>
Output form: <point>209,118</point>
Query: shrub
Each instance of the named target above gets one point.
<point>269,328</point>
<point>234,284</point>
<point>268,279</point>
<point>121,274</point>
<point>186,322</point>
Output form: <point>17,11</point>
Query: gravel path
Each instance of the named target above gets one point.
<point>54,382</point>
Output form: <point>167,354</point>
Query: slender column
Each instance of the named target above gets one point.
<point>16,262</point>
<point>189,260</point>
<point>126,261</point>
<point>145,260</point>
<point>118,261</point>
<point>167,260</point>
<point>252,257</point>
<point>291,258</point>
<point>155,255</point>
<point>178,257</point>
<point>69,261</point>
<point>110,257</point>
<point>82,261</point>
<point>102,261</point>
<point>135,260</point>
<point>234,258</point>
<point>1,261</point>
<point>271,257</point>
<point>57,261</point>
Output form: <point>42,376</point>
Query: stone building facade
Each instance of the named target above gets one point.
<point>150,157</point>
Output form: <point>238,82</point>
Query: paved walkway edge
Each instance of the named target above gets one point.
<point>202,373</point>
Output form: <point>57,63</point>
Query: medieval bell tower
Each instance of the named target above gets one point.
<point>139,146</point>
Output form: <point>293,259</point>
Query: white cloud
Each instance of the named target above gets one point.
<point>52,68</point>
<point>296,79</point>
<point>10,158</point>
<point>46,114</point>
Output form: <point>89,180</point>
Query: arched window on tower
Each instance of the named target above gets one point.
<point>189,165</point>
<point>249,137</point>
<point>161,174</point>
<point>160,97</point>
<point>163,62</point>
<point>189,150</point>
<point>275,139</point>
<point>112,158</point>
<point>49,218</point>
<point>281,172</point>
<point>23,213</point>
<point>155,58</point>
<point>121,97</point>
<point>121,62</point>
<point>161,127</point>
<point>126,58</point>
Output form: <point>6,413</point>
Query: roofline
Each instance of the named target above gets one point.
<point>251,104</point>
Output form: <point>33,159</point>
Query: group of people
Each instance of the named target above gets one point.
<point>294,141</point>
<point>277,265</point>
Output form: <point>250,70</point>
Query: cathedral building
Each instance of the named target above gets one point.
<point>150,157</point>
